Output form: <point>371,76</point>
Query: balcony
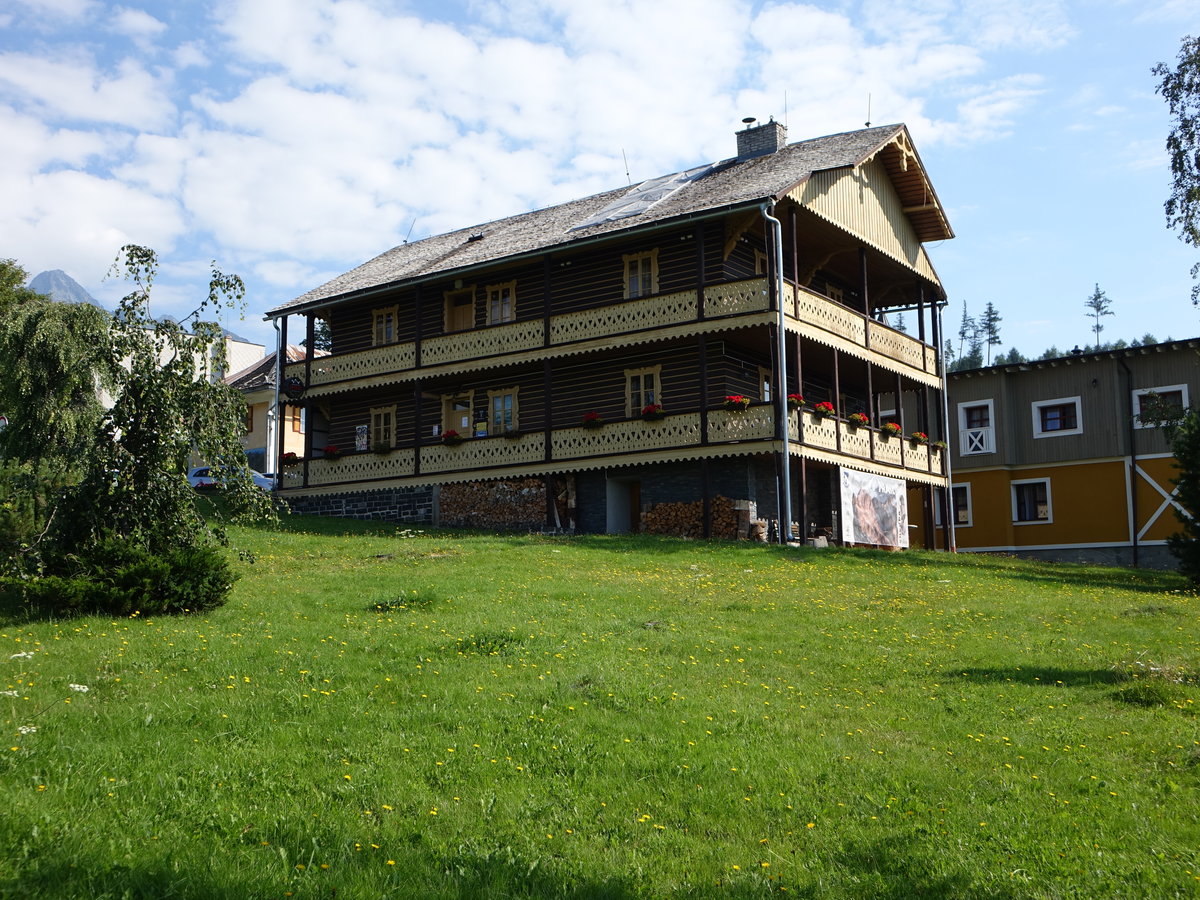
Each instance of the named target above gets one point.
<point>816,313</point>
<point>675,437</point>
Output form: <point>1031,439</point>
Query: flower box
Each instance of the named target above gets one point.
<point>918,438</point>
<point>652,412</point>
<point>737,403</point>
<point>332,452</point>
<point>795,401</point>
<point>857,420</point>
<point>290,459</point>
<point>823,410</point>
<point>593,420</point>
<point>452,438</point>
<point>888,430</point>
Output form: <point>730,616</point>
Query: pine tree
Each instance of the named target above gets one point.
<point>1099,305</point>
<point>990,326</point>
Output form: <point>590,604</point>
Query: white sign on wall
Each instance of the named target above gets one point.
<point>874,509</point>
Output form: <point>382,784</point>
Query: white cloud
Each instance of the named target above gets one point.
<point>73,87</point>
<point>60,9</point>
<point>135,23</point>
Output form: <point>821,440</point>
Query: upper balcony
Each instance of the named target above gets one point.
<point>678,436</point>
<point>807,313</point>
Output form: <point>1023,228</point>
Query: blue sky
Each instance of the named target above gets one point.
<point>290,140</point>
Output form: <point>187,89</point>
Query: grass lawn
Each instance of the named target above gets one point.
<point>388,713</point>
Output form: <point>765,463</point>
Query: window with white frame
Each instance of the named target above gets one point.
<point>960,506</point>
<point>976,427</point>
<point>1031,501</point>
<point>1153,406</point>
<point>502,411</point>
<point>1054,418</point>
<point>641,273</point>
<point>641,389</point>
<point>764,384</point>
<point>502,302</point>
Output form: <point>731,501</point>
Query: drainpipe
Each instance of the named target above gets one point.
<point>272,455</point>
<point>775,229</point>
<point>1133,486</point>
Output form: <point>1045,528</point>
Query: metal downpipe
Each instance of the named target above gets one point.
<point>775,228</point>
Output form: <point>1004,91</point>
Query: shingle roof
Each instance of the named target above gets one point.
<point>729,184</point>
<point>262,373</point>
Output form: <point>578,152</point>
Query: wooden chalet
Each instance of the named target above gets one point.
<point>569,368</point>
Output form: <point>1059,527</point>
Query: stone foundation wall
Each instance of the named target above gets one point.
<point>414,505</point>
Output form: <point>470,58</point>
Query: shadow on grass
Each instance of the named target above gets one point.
<point>1039,676</point>
<point>896,868</point>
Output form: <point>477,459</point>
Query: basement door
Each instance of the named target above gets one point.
<point>624,507</point>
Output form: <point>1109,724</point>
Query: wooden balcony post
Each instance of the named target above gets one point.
<point>418,425</point>
<point>418,312</point>
<point>921,310</point>
<point>281,406</point>
<point>702,353</point>
<point>837,400</point>
<point>701,277</point>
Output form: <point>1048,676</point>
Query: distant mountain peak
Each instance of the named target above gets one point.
<point>58,285</point>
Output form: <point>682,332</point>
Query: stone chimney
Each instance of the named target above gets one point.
<point>759,140</point>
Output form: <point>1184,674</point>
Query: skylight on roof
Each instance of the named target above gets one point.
<point>641,197</point>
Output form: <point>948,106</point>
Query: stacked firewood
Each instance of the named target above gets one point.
<point>687,519</point>
<point>503,505</point>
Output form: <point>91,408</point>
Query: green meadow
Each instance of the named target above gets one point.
<point>381,712</point>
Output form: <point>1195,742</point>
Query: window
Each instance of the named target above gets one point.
<point>249,419</point>
<point>1052,418</point>
<point>502,411</point>
<point>383,329</point>
<point>760,263</point>
<point>460,309</point>
<point>833,292</point>
<point>295,417</point>
<point>1154,405</point>
<point>383,426</point>
<point>641,273</point>
<point>1031,501</point>
<point>764,384</point>
<point>457,411</point>
<point>641,389</point>
<point>960,506</point>
<point>975,431</point>
<point>502,302</point>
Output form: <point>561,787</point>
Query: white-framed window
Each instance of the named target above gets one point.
<point>760,262</point>
<point>641,273</point>
<point>1055,418</point>
<point>383,325</point>
<point>1167,402</point>
<point>641,389</point>
<point>383,426</point>
<point>1031,501</point>
<point>502,411</point>
<point>764,384</point>
<point>960,507</point>
<point>501,302</point>
<point>976,427</point>
<point>460,309</point>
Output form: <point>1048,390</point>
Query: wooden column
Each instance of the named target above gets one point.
<point>872,408</point>
<point>702,352</point>
<point>418,423</point>
<point>700,273</point>
<point>310,324</point>
<point>418,326</point>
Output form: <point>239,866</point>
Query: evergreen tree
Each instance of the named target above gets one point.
<point>990,327</point>
<point>1099,305</point>
<point>966,329</point>
<point>322,337</point>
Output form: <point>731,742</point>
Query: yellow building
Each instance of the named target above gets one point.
<point>1053,459</point>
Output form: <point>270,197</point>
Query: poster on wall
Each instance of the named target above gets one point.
<point>360,438</point>
<point>874,509</point>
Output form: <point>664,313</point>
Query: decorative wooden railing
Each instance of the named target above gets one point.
<point>661,311</point>
<point>667,436</point>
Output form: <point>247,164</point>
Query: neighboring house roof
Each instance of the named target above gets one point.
<point>1076,358</point>
<point>262,373</point>
<point>725,185</point>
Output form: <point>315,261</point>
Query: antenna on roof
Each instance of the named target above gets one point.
<point>868,122</point>
<point>410,229</point>
<point>626,159</point>
<point>785,109</point>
